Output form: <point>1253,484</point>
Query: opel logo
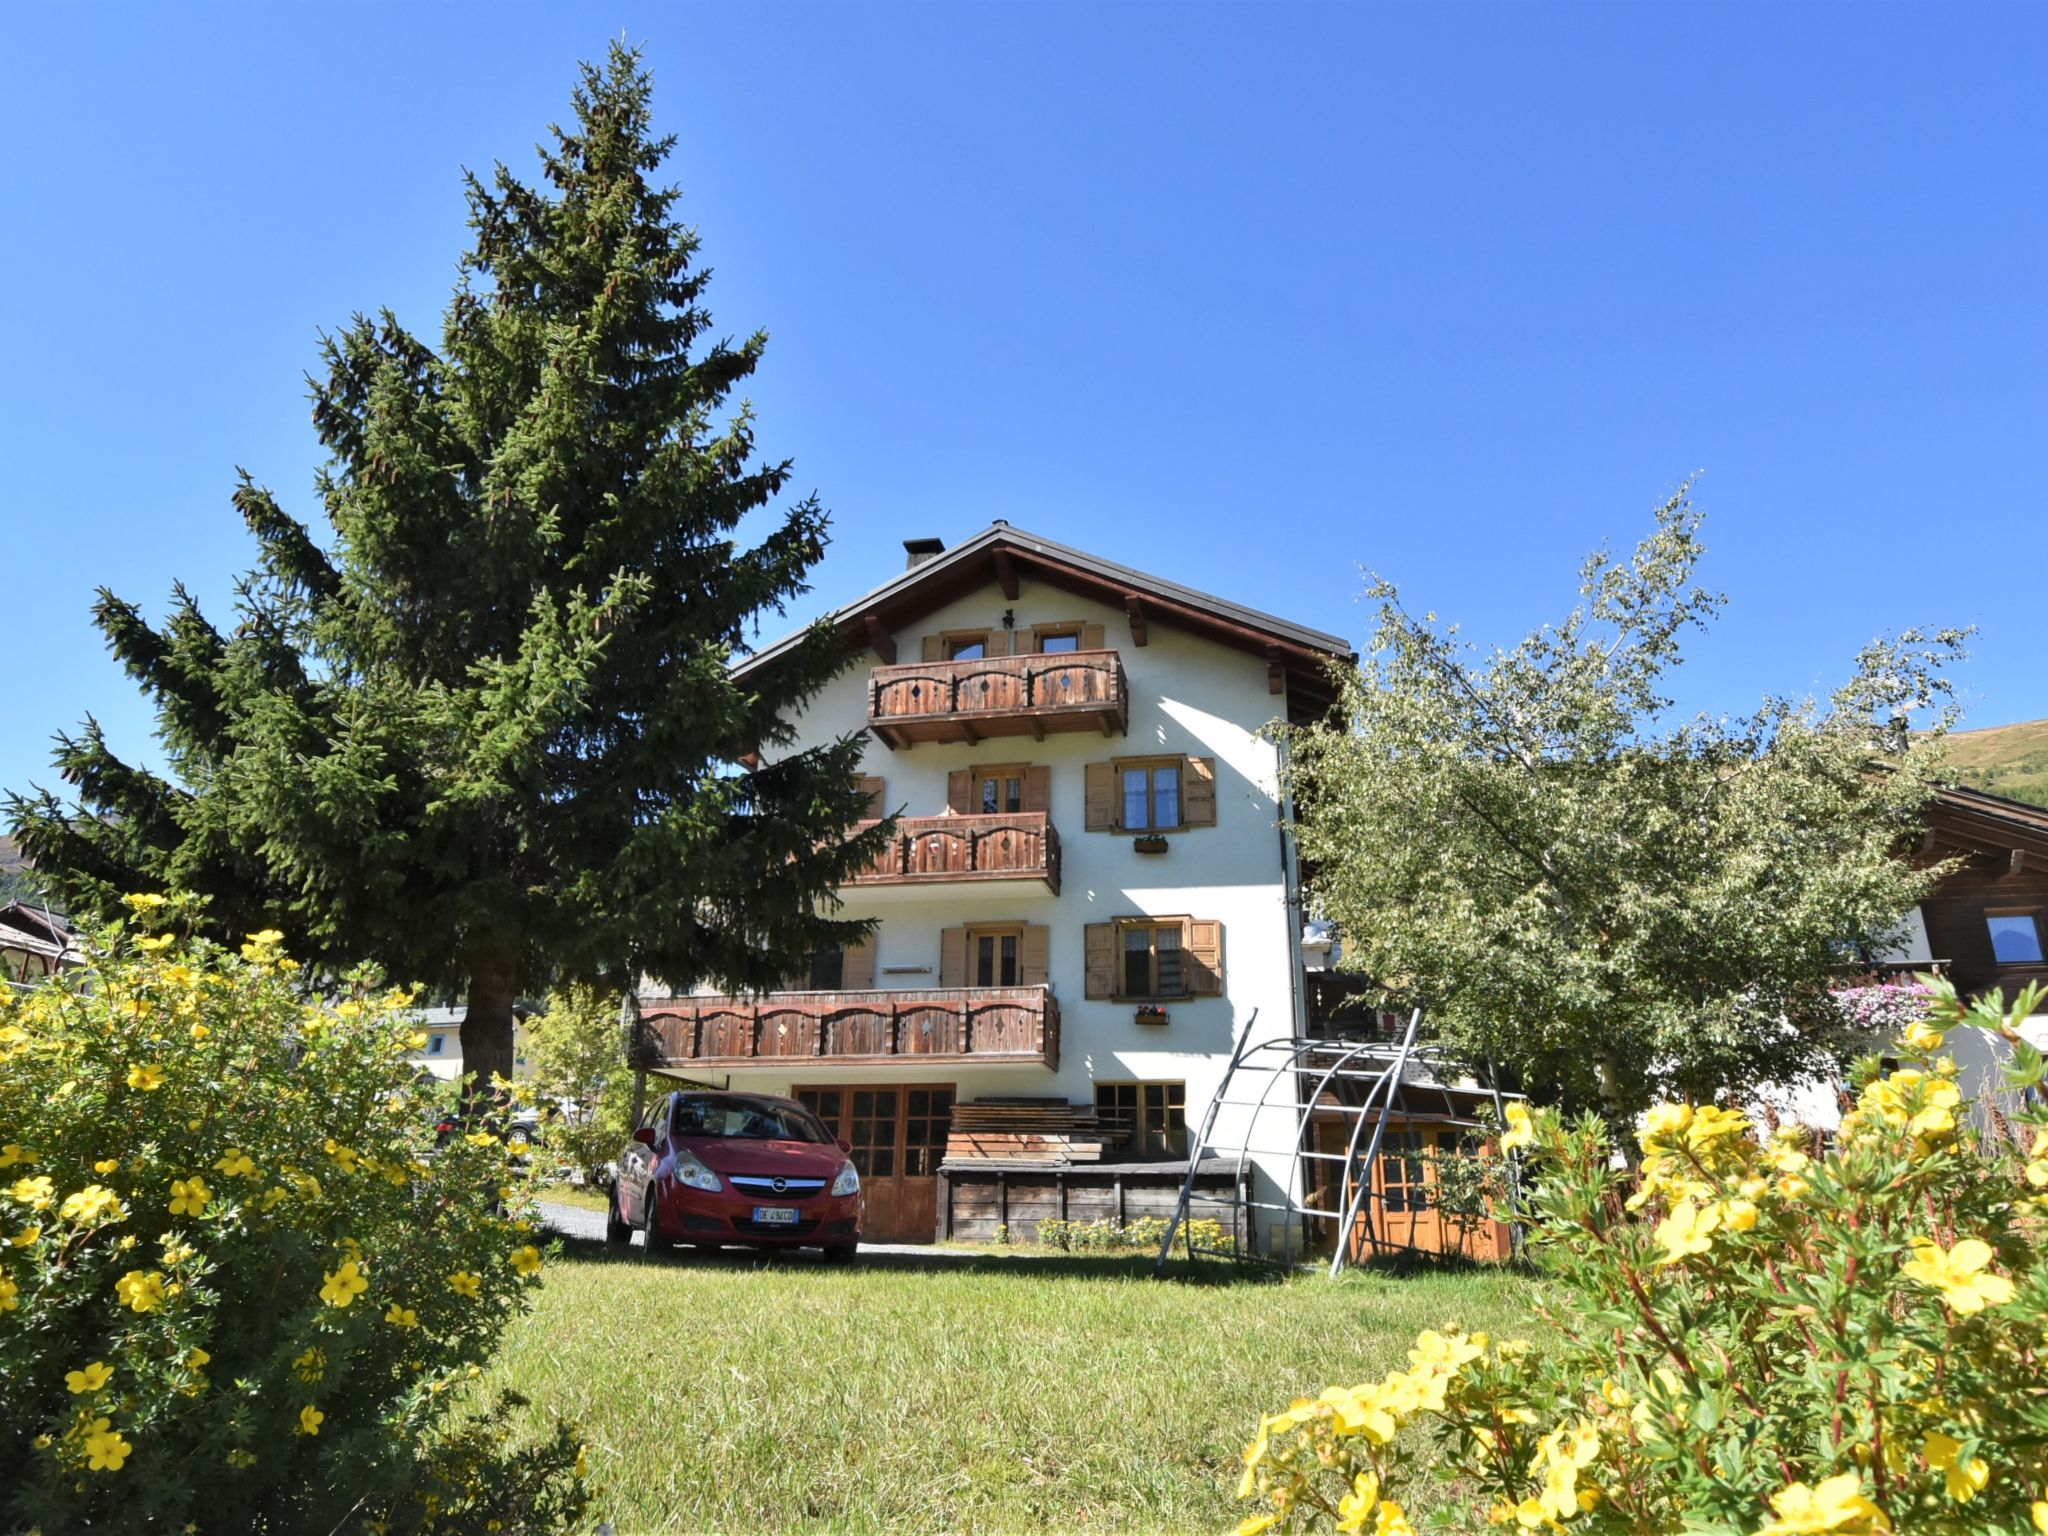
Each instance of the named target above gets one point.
<point>781,1185</point>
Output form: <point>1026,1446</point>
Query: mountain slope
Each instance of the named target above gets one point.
<point>2009,760</point>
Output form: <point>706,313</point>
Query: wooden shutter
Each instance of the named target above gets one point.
<point>1099,799</point>
<point>1025,644</point>
<point>952,957</point>
<point>1091,637</point>
<point>1034,956</point>
<point>875,788</point>
<point>1201,944</point>
<point>998,643</point>
<point>1099,955</point>
<point>1198,792</point>
<point>857,973</point>
<point>960,792</point>
<point>1038,788</point>
<point>934,647</point>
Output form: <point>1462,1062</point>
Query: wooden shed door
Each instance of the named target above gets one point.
<point>898,1136</point>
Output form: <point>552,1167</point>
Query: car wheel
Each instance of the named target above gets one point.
<point>657,1240</point>
<point>617,1229</point>
<point>842,1254</point>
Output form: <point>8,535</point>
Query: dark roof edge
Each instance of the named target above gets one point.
<point>1106,570</point>
<point>1983,802</point>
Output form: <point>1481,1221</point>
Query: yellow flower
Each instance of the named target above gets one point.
<point>1435,1351</point>
<point>91,1203</point>
<point>147,1077</point>
<point>1256,1524</point>
<point>1392,1520</point>
<point>311,1365</point>
<point>1959,1274</point>
<point>14,1153</point>
<point>2037,1173</point>
<point>1686,1231</point>
<point>343,1156</point>
<point>1835,1505</point>
<point>343,1285</point>
<point>27,1237</point>
<point>1966,1479</point>
<point>1353,1508</point>
<point>144,901</point>
<point>404,1317</point>
<point>310,1420</point>
<point>105,1450</point>
<point>463,1283</point>
<point>1925,1037</point>
<point>1738,1215</point>
<point>91,1379</point>
<point>151,946</point>
<point>481,1139</point>
<point>140,1290</point>
<point>10,1294</point>
<point>1667,1120</point>
<point>2039,1510</point>
<point>189,1197</point>
<point>106,1165</point>
<point>237,1164</point>
<point>526,1260</point>
<point>1521,1131</point>
<point>198,1358</point>
<point>37,1193</point>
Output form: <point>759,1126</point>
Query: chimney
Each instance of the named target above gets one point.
<point>921,550</point>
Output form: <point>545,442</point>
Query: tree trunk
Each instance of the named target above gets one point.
<point>487,1022</point>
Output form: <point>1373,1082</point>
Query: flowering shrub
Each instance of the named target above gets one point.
<point>1760,1337</point>
<point>1108,1235</point>
<point>240,1288</point>
<point>1882,1009</point>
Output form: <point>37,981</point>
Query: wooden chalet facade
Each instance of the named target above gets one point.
<point>1986,922</point>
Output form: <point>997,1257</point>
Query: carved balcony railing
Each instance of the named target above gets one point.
<point>999,696</point>
<point>949,1025</point>
<point>941,850</point>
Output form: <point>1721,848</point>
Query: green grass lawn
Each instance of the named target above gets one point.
<point>1014,1393</point>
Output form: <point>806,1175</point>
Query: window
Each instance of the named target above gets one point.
<point>828,970</point>
<point>927,1119</point>
<point>966,647</point>
<point>1156,1114</point>
<point>992,955</point>
<point>1001,791</point>
<point>871,1131</point>
<point>733,1118</point>
<point>2015,937</point>
<point>1151,956</point>
<point>435,1044</point>
<point>1151,796</point>
<point>1404,1167</point>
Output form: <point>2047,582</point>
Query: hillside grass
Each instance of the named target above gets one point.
<point>2010,760</point>
<point>950,1393</point>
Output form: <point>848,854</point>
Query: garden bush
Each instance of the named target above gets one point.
<point>1753,1335</point>
<point>241,1289</point>
<point>1109,1235</point>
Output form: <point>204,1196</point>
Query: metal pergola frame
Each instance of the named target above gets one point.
<point>1312,1069</point>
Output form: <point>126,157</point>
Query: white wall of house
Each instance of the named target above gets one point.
<point>1187,695</point>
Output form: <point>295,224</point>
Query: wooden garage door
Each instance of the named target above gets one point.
<point>898,1136</point>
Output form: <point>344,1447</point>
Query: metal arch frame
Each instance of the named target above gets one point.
<point>1382,1065</point>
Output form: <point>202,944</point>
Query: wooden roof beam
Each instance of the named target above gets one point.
<point>1276,671</point>
<point>1135,612</point>
<point>880,641</point>
<point>1006,573</point>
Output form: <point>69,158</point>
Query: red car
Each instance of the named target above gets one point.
<point>711,1168</point>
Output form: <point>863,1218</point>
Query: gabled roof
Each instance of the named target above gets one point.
<point>1977,819</point>
<point>1001,554</point>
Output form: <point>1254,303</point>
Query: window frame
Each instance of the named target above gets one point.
<point>976,932</point>
<point>950,638</point>
<point>1150,765</point>
<point>1154,1131</point>
<point>2040,937</point>
<point>1001,774</point>
<point>1040,633</point>
<point>1153,925</point>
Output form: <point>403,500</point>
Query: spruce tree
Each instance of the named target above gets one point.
<point>485,734</point>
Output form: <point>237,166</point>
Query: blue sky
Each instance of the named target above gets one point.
<point>1246,295</point>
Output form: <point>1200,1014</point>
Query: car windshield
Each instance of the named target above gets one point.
<point>745,1120</point>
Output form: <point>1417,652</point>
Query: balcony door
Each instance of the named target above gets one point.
<point>898,1136</point>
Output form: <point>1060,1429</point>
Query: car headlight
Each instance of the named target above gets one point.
<point>848,1182</point>
<point>690,1171</point>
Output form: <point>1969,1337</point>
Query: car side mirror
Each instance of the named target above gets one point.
<point>645,1135</point>
<point>845,1146</point>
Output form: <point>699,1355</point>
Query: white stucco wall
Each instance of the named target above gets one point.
<point>1187,695</point>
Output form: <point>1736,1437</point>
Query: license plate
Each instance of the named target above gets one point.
<point>775,1215</point>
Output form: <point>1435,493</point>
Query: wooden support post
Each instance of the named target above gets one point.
<point>1135,612</point>
<point>1003,1199</point>
<point>1119,1199</point>
<point>946,1204</point>
<point>1059,1185</point>
<point>880,641</point>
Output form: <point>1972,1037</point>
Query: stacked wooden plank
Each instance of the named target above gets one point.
<point>1022,1130</point>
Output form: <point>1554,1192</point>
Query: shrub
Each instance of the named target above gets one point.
<point>578,1058</point>
<point>240,1288</point>
<point>1761,1337</point>
<point>1108,1235</point>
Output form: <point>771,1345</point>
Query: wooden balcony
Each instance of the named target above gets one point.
<point>1020,847</point>
<point>999,696</point>
<point>940,1026</point>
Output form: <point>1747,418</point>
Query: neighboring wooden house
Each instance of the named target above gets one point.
<point>1091,893</point>
<point>1986,922</point>
<point>35,943</point>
